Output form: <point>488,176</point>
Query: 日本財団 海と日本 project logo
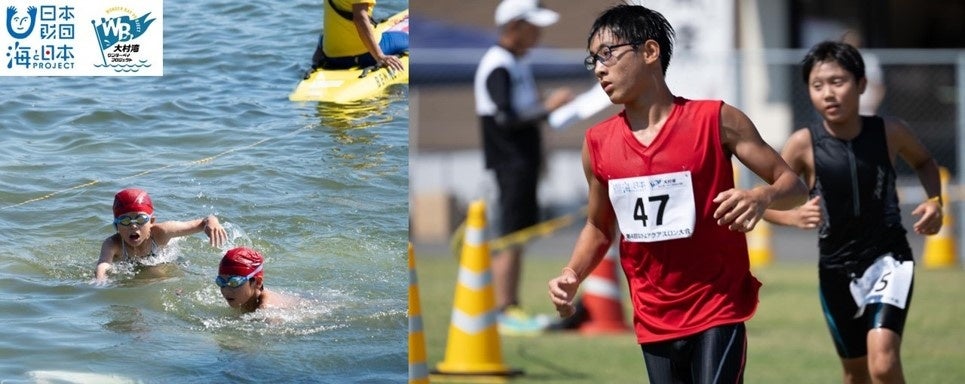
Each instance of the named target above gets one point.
<point>82,38</point>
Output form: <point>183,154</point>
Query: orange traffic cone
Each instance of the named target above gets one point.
<point>473,347</point>
<point>418,370</point>
<point>759,245</point>
<point>940,250</point>
<point>601,297</point>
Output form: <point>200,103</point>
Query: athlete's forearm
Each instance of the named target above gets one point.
<point>930,178</point>
<point>591,246</point>
<point>787,192</point>
<point>779,217</point>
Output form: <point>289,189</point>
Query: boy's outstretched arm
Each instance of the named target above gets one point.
<point>209,225</point>
<point>105,261</point>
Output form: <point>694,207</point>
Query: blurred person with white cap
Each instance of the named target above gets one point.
<point>511,113</point>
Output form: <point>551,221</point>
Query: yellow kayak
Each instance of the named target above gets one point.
<point>353,84</point>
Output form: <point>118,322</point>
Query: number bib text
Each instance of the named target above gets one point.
<point>886,281</point>
<point>654,208</point>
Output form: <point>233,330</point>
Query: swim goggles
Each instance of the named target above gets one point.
<point>140,219</point>
<point>236,281</point>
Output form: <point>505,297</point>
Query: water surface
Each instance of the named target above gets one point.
<point>320,190</point>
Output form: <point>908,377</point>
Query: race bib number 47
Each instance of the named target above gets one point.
<point>654,208</point>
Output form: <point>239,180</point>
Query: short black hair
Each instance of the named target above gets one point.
<point>844,54</point>
<point>637,24</point>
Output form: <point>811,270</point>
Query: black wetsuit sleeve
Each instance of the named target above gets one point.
<point>498,83</point>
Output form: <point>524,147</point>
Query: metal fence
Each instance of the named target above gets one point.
<point>923,87</point>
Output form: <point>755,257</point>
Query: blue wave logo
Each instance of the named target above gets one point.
<point>120,68</point>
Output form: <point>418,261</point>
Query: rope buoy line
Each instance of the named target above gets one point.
<point>149,171</point>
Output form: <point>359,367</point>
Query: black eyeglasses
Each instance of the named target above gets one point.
<point>604,55</point>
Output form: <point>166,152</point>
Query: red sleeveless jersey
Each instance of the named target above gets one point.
<point>681,286</point>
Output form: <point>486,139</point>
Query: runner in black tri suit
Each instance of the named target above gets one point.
<point>866,268</point>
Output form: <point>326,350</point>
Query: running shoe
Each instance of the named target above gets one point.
<point>513,321</point>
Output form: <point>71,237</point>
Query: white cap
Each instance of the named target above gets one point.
<point>529,10</point>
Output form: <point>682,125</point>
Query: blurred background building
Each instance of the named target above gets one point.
<point>746,52</point>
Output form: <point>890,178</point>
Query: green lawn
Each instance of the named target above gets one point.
<point>787,340</point>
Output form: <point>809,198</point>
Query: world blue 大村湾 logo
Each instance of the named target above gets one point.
<point>118,40</point>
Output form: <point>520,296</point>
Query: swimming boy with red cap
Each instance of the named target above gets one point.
<point>139,236</point>
<point>241,278</point>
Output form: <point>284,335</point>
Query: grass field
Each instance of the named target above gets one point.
<point>788,341</point>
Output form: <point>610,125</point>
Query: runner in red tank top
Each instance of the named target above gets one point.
<point>660,172</point>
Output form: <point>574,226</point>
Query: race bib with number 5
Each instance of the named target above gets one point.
<point>654,208</point>
<point>886,281</point>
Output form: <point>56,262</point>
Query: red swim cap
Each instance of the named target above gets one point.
<point>240,262</point>
<point>132,200</point>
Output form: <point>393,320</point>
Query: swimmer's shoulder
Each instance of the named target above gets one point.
<point>272,299</point>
